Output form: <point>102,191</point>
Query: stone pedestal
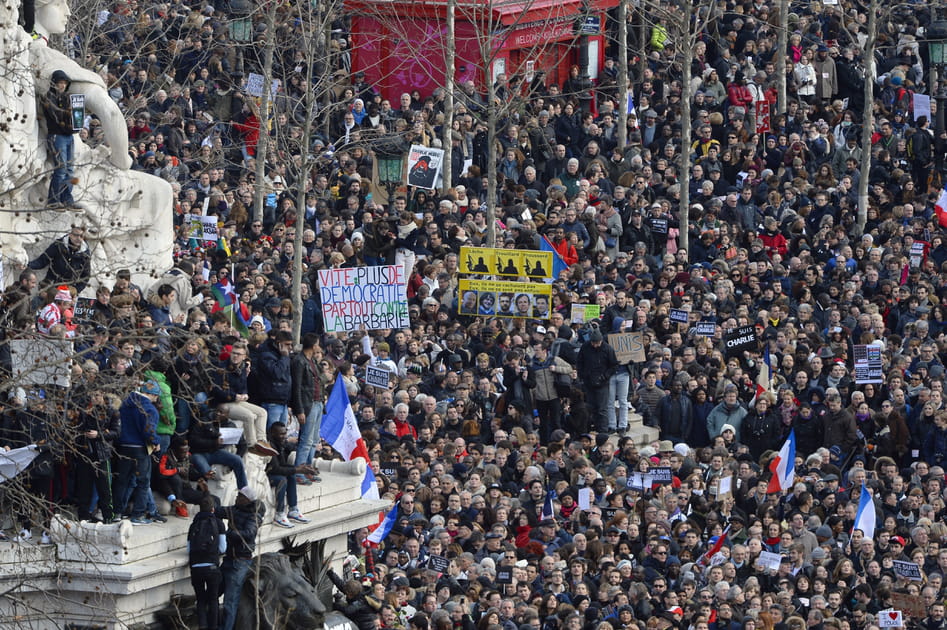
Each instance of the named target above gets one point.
<point>118,576</point>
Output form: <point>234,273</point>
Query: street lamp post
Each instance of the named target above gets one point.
<point>389,172</point>
<point>937,47</point>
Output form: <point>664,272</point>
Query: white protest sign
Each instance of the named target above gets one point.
<point>769,560</point>
<point>890,619</point>
<point>255,85</point>
<point>201,228</point>
<point>15,461</point>
<point>585,499</point>
<point>230,435</point>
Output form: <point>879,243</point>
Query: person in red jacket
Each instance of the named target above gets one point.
<point>773,240</point>
<point>739,94</point>
<point>564,248</point>
<point>402,426</point>
<point>248,126</point>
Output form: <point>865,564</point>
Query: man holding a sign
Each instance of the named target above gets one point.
<point>60,126</point>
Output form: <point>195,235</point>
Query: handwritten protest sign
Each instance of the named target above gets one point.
<point>910,605</point>
<point>370,298</point>
<point>628,347</point>
<point>582,313</point>
<point>201,228</point>
<point>769,560</point>
<point>890,619</point>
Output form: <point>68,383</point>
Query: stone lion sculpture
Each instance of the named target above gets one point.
<point>128,214</point>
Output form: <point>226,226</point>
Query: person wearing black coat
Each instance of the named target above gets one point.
<point>272,377</point>
<point>207,448</point>
<point>760,430</point>
<point>282,476</point>
<point>357,607</point>
<point>69,260</point>
<point>595,364</point>
<point>244,518</point>
<point>97,429</point>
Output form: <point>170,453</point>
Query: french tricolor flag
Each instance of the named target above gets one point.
<point>340,430</point>
<point>940,208</point>
<point>763,379</point>
<point>385,527</point>
<point>866,517</point>
<point>783,466</point>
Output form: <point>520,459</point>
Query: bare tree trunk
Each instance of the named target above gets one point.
<point>450,55</point>
<point>263,143</point>
<point>685,175</point>
<point>622,74</point>
<point>868,117</point>
<point>782,39</point>
<point>302,179</point>
<point>491,161</point>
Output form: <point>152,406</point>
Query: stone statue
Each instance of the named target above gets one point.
<point>128,214</point>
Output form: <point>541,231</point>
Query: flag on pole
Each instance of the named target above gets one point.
<point>721,539</point>
<point>547,505</point>
<point>558,264</point>
<point>763,378</point>
<point>940,209</point>
<point>340,430</point>
<point>783,466</point>
<point>385,527</point>
<point>865,517</point>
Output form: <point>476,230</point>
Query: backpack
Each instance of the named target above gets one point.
<point>204,537</point>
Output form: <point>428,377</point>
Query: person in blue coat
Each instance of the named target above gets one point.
<point>137,439</point>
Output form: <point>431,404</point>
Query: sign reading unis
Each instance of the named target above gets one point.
<point>369,297</point>
<point>740,339</point>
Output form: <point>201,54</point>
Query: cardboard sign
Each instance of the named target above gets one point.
<point>501,298</point>
<point>769,560</point>
<point>438,563</point>
<point>628,347</point>
<point>424,166</point>
<point>373,298</point>
<point>922,106</point>
<point>890,618</point>
<point>679,315</point>
<point>661,475</point>
<point>378,377</point>
<point>740,339</point>
<point>706,329</point>
<point>77,106</point>
<point>910,605</point>
<point>504,575</point>
<point>200,227</point>
<point>908,570</point>
<point>868,365</point>
<point>506,262</point>
<point>582,313</point>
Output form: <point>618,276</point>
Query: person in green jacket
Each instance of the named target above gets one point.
<point>166,418</point>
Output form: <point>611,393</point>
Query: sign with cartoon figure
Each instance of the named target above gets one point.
<point>506,262</point>
<point>424,166</point>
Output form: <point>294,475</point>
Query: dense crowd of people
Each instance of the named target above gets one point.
<point>502,440</point>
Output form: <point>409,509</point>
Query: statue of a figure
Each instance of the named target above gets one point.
<point>128,214</point>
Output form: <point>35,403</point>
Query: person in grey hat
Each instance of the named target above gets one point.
<point>595,364</point>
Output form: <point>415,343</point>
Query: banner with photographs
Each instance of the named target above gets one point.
<point>504,299</point>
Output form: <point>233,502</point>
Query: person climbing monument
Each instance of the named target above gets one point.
<point>59,132</point>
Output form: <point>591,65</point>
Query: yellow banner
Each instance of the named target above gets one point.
<point>521,263</point>
<point>504,299</point>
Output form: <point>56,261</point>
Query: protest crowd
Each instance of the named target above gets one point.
<point>791,364</point>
